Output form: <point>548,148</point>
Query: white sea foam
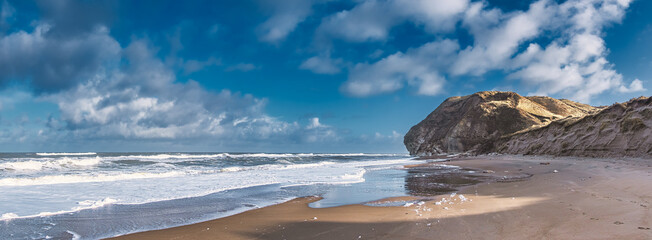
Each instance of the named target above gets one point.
<point>50,163</point>
<point>63,179</point>
<point>85,178</point>
<point>299,155</point>
<point>356,176</point>
<point>66,154</point>
<point>244,155</point>
<point>164,181</point>
<point>171,156</point>
<point>82,162</point>
<point>86,204</point>
<point>8,216</point>
<point>66,161</point>
<point>95,203</point>
<point>24,166</point>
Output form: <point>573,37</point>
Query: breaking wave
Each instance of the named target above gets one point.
<point>66,154</point>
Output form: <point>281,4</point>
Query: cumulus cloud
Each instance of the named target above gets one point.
<point>496,37</point>
<point>142,100</point>
<point>106,92</point>
<point>572,63</point>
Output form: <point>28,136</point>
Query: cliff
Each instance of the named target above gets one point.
<point>507,122</point>
<point>622,129</point>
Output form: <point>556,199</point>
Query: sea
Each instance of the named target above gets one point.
<point>95,195</point>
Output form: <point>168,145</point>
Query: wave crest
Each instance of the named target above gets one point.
<point>66,154</point>
<point>54,164</point>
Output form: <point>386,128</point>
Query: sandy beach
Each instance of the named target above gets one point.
<point>530,197</point>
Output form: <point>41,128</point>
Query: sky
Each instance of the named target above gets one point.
<point>295,75</point>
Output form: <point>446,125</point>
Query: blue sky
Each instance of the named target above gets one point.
<point>295,75</point>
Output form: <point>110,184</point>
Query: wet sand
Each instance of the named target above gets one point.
<point>529,198</point>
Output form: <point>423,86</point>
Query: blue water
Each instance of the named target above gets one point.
<point>94,195</point>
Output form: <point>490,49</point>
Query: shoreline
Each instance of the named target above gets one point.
<point>584,198</point>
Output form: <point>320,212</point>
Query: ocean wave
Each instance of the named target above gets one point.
<point>8,216</point>
<point>83,205</point>
<point>94,203</point>
<point>180,182</point>
<point>52,163</point>
<point>66,154</point>
<point>82,162</point>
<point>85,178</point>
<point>63,179</point>
<point>171,157</point>
<point>275,166</point>
<point>24,166</point>
<point>303,155</point>
<point>168,156</point>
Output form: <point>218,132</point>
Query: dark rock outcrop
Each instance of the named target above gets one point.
<point>485,121</point>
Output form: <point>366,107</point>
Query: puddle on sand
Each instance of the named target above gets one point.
<point>434,180</point>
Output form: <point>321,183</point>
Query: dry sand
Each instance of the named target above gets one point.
<point>585,198</point>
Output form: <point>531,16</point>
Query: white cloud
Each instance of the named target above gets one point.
<point>435,15</point>
<point>316,131</point>
<point>573,64</point>
<point>494,45</point>
<point>322,64</point>
<point>131,94</point>
<point>143,101</point>
<point>417,67</point>
<point>634,86</point>
<point>371,20</point>
<point>314,123</point>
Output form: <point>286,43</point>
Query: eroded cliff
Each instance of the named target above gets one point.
<point>507,122</point>
<point>622,129</point>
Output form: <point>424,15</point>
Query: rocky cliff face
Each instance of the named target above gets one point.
<point>478,122</point>
<point>623,129</point>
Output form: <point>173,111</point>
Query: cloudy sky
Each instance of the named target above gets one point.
<point>295,75</point>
